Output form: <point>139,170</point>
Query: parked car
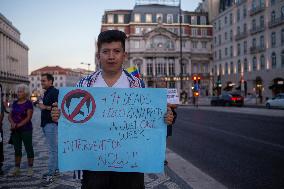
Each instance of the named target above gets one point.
<point>277,101</point>
<point>227,99</point>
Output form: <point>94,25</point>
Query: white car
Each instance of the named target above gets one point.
<point>277,101</point>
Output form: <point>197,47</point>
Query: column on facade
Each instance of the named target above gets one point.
<point>167,66</point>
<point>154,65</point>
<point>144,66</point>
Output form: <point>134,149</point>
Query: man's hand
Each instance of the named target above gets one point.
<point>55,112</point>
<point>169,117</point>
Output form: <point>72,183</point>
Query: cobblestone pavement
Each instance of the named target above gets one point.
<point>169,180</point>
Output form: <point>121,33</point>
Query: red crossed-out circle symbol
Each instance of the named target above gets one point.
<point>87,99</point>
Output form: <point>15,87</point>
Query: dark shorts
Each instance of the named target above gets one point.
<point>113,180</point>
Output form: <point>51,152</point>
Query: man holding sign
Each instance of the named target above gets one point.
<point>111,55</point>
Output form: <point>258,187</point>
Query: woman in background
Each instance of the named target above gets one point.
<point>20,119</point>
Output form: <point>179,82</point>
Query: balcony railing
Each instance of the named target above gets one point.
<point>256,30</point>
<point>257,9</point>
<point>257,49</point>
<point>276,22</point>
<point>241,36</point>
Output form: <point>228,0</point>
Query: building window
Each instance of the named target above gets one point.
<point>261,21</point>
<point>204,44</point>
<point>273,16</point>
<point>231,51</point>
<point>219,25</point>
<point>55,78</point>
<point>262,62</point>
<point>238,30</point>
<point>245,47</point>
<point>172,85</point>
<point>262,41</point>
<point>226,52</point>
<point>254,42</point>
<point>220,69</point>
<point>61,78</point>
<point>33,85</point>
<point>32,78</point>
<point>120,18</point>
<point>226,68</point>
<point>203,32</point>
<point>245,27</point>
<point>170,18</point>
<point>226,36</point>
<point>149,68</point>
<point>171,67</point>
<point>239,66</point>
<point>253,5</point>
<point>231,67</point>
<point>220,39</point>
<point>194,31</point>
<point>225,20</point>
<point>244,11</point>
<point>239,49</point>
<point>110,18</point>
<point>159,18</point>
<point>245,65</point>
<point>138,30</point>
<point>203,20</point>
<point>220,54</point>
<point>137,17</point>
<point>231,18</point>
<point>273,60</point>
<point>282,59</point>
<point>193,20</point>
<point>231,35</point>
<point>273,39</point>
<point>272,2</point>
<point>148,18</point>
<point>254,64</point>
<point>253,24</point>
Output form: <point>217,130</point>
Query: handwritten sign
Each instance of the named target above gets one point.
<point>172,96</point>
<point>110,129</point>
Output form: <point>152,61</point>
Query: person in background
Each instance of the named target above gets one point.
<point>49,127</point>
<point>20,119</point>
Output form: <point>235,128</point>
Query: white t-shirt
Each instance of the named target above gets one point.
<point>122,82</point>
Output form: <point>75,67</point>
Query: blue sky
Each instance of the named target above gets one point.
<point>63,32</point>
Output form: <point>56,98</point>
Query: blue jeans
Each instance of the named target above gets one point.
<point>50,131</point>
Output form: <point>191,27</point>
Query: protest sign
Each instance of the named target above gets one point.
<point>111,129</point>
<point>172,96</point>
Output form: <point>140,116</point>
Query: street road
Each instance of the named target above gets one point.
<point>238,150</point>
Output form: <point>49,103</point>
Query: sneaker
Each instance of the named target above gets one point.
<point>49,181</point>
<point>165,162</point>
<point>30,171</point>
<point>56,173</point>
<point>16,172</point>
<point>44,176</point>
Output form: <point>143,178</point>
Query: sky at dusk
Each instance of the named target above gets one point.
<point>63,32</point>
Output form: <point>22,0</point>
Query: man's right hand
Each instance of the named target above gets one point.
<point>55,112</point>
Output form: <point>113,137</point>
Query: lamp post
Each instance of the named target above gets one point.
<point>88,66</point>
<point>180,41</point>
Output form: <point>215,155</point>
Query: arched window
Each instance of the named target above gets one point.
<point>273,39</point>
<point>262,62</point>
<point>273,16</point>
<point>273,60</point>
<point>254,64</point>
<point>282,59</point>
<point>245,65</point>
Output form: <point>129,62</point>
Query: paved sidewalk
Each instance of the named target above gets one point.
<point>169,180</point>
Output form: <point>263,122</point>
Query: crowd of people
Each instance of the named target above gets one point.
<point>111,55</point>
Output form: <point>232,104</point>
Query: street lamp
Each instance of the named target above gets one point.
<point>88,66</point>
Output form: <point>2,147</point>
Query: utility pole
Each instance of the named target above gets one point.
<point>180,41</point>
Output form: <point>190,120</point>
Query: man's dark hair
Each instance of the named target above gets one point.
<point>111,36</point>
<point>48,76</point>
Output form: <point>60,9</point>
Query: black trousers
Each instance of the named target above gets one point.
<point>112,180</point>
<point>1,148</point>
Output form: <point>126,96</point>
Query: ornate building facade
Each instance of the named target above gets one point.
<point>248,46</point>
<point>153,44</point>
<point>13,58</point>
